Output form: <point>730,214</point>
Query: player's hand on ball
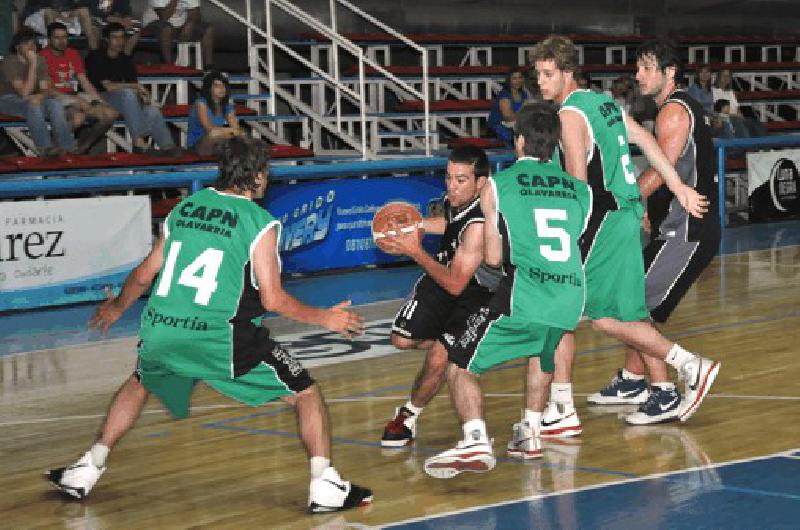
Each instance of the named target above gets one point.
<point>405,243</point>
<point>692,202</point>
<point>108,313</point>
<point>344,321</point>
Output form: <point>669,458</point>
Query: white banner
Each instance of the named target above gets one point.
<point>778,170</point>
<point>68,250</point>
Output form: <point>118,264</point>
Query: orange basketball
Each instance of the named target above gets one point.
<point>394,218</point>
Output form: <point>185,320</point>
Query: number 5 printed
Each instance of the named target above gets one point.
<point>543,216</point>
<point>205,284</point>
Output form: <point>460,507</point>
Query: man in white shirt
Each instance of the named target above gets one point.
<point>164,18</point>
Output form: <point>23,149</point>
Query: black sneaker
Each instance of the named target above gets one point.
<point>662,406</point>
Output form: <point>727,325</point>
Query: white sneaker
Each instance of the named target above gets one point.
<point>524,443</point>
<point>699,375</point>
<point>78,479</point>
<point>465,456</point>
<point>560,421</point>
<point>330,493</point>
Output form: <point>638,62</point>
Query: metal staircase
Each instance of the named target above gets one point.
<point>340,108</point>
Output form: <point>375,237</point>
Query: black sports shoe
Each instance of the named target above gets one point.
<point>397,432</point>
<point>660,407</point>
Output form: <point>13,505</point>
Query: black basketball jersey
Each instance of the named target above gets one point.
<point>457,223</point>
<point>697,167</point>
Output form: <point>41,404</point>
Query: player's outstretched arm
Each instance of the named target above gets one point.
<point>434,225</point>
<point>575,143</point>
<point>693,202</point>
<point>493,244</point>
<point>136,284</point>
<point>274,298</point>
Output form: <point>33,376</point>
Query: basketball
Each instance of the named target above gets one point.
<point>394,218</point>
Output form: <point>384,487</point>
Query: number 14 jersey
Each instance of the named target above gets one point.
<point>542,213</point>
<point>205,296</point>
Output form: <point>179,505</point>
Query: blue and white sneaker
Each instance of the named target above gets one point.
<point>621,391</point>
<point>662,406</point>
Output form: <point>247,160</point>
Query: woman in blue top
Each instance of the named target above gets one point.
<point>213,118</point>
<point>701,89</point>
<point>505,106</point>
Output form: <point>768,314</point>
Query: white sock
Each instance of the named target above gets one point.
<point>664,386</point>
<point>318,465</point>
<point>632,376</point>
<point>534,419</point>
<point>475,431</point>
<point>561,394</point>
<point>677,357</point>
<point>99,454</point>
<point>416,410</point>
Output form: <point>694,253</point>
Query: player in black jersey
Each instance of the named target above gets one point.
<point>455,282</point>
<point>681,246</point>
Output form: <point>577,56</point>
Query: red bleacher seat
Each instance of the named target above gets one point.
<point>754,95</point>
<point>166,70</point>
<point>782,126</point>
<point>415,105</point>
<point>736,164</point>
<point>484,143</point>
<point>182,111</point>
<point>438,70</point>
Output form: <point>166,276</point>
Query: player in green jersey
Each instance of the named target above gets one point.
<point>216,269</point>
<point>594,139</point>
<point>535,214</point>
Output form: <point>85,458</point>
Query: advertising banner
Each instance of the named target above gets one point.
<point>772,183</point>
<point>327,224</point>
<point>67,250</point>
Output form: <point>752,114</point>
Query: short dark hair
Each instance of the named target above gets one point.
<point>112,27</point>
<point>25,34</point>
<point>53,26</point>
<point>538,123</point>
<point>720,104</point>
<point>665,52</point>
<point>471,154</point>
<point>241,159</point>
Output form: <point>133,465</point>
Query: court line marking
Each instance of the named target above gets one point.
<point>593,487</point>
<point>358,398</point>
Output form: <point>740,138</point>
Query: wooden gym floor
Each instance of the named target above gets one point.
<point>735,464</point>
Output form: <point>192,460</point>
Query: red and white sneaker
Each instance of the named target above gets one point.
<point>560,421</point>
<point>524,443</point>
<point>467,455</point>
<point>699,375</point>
<point>401,431</point>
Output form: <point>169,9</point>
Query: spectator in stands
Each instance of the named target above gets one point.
<point>113,72</point>
<point>743,127</point>
<point>25,88</point>
<point>74,14</point>
<point>721,126</point>
<point>105,12</point>
<point>701,89</point>
<point>621,93</point>
<point>213,117</point>
<point>85,107</point>
<point>166,17</point>
<point>581,79</point>
<point>506,104</point>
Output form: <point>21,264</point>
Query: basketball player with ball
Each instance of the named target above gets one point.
<point>455,283</point>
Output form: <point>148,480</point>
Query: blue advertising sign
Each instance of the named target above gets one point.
<point>327,224</point>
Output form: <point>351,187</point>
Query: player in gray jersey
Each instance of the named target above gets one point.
<point>681,246</point>
<point>455,283</point>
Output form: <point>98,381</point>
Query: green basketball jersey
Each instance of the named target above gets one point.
<point>610,168</point>
<point>206,285</point>
<point>542,213</point>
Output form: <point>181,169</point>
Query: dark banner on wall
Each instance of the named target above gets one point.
<point>326,224</point>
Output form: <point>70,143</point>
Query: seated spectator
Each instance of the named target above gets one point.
<point>114,74</point>
<point>25,89</point>
<point>701,89</point>
<point>621,93</point>
<point>743,127</point>
<point>505,106</point>
<point>105,12</point>
<point>213,118</point>
<point>721,126</point>
<point>74,14</point>
<point>165,18</point>
<point>68,74</point>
